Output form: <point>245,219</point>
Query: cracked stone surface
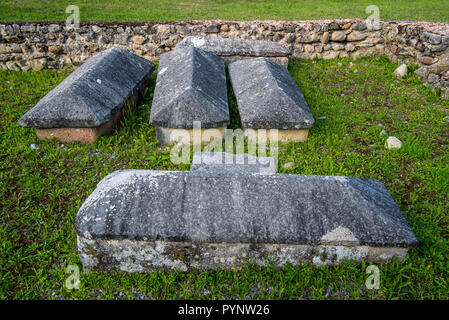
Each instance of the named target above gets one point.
<point>134,209</point>
<point>268,97</point>
<point>190,86</point>
<point>92,94</point>
<point>223,162</point>
<point>236,47</point>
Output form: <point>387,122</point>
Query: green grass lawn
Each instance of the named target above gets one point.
<point>41,190</point>
<point>151,10</point>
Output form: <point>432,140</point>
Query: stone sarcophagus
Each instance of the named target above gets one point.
<point>232,49</point>
<point>88,103</point>
<point>190,89</point>
<point>269,98</point>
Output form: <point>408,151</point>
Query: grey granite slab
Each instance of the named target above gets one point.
<point>236,47</point>
<point>223,162</point>
<point>267,96</point>
<point>91,94</point>
<point>190,86</point>
<point>206,207</point>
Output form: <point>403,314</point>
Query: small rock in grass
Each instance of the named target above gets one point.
<point>383,132</point>
<point>340,64</point>
<point>288,165</point>
<point>321,118</point>
<point>393,143</point>
<point>401,71</point>
<point>34,146</point>
<point>446,119</point>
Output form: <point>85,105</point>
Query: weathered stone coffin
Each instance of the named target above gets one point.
<point>269,98</point>
<point>89,101</point>
<point>140,221</point>
<point>190,88</point>
<point>232,49</point>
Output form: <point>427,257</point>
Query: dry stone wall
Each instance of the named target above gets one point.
<point>25,46</point>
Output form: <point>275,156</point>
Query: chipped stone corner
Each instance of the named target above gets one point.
<point>340,236</point>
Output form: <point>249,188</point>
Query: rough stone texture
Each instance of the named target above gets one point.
<point>142,220</point>
<point>235,49</point>
<point>222,162</point>
<point>91,95</point>
<point>190,86</point>
<point>357,36</point>
<point>268,97</point>
<point>24,46</point>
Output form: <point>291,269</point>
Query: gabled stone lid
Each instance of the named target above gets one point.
<point>91,94</point>
<point>236,47</point>
<point>190,86</point>
<point>209,207</point>
<point>267,96</point>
